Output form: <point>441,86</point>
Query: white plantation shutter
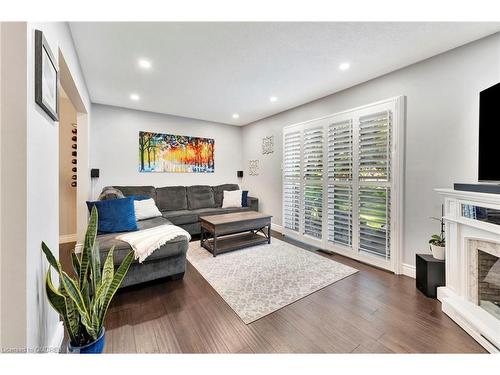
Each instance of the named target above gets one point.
<point>374,220</point>
<point>313,210</point>
<point>375,147</point>
<point>340,214</point>
<point>291,183</point>
<point>313,154</point>
<point>340,150</point>
<point>291,156</point>
<point>374,165</point>
<point>313,176</point>
<point>291,205</point>
<point>340,182</point>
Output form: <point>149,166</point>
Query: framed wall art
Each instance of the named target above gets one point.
<point>175,153</point>
<point>46,77</point>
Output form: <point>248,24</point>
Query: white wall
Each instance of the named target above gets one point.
<point>114,143</point>
<point>441,132</point>
<point>42,183</point>
<point>14,182</point>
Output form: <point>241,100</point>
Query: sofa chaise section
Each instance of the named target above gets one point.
<point>168,260</point>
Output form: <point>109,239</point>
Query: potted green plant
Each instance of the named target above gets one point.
<point>437,242</point>
<point>83,300</point>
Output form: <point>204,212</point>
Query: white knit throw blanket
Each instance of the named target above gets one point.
<point>146,241</point>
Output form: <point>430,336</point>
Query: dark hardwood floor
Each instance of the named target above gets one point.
<point>372,311</point>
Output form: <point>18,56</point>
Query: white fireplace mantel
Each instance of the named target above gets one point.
<point>457,296</point>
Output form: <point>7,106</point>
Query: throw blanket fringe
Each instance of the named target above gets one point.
<point>145,242</point>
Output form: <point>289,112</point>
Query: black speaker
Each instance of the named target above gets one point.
<point>239,174</point>
<point>94,173</point>
<point>430,273</point>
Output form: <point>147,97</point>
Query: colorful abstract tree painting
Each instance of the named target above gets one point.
<point>175,153</point>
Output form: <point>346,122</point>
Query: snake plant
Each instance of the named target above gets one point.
<point>83,301</point>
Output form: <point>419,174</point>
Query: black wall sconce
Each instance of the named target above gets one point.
<point>94,173</point>
<point>239,174</point>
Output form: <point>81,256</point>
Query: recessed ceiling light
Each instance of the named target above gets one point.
<point>134,97</point>
<point>273,99</point>
<point>344,66</point>
<point>235,115</point>
<point>145,64</point>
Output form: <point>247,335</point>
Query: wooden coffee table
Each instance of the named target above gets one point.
<point>227,232</point>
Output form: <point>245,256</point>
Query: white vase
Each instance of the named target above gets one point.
<point>437,251</point>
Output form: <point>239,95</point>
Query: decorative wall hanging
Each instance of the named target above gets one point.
<point>268,145</point>
<point>74,153</point>
<point>175,153</point>
<point>253,167</point>
<point>46,77</point>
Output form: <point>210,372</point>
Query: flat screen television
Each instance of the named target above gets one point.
<point>489,135</point>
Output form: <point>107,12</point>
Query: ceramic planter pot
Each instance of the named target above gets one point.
<point>95,347</point>
<point>438,251</point>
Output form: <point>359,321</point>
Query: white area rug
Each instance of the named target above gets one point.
<point>259,280</point>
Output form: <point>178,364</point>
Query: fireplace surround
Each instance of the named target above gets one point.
<point>472,291</point>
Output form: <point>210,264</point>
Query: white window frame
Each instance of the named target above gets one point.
<point>397,107</point>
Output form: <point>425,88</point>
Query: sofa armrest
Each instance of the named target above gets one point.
<point>253,203</point>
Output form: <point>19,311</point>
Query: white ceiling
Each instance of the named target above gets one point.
<point>211,70</point>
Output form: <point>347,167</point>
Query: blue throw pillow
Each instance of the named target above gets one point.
<point>141,197</point>
<point>115,215</point>
<point>244,198</point>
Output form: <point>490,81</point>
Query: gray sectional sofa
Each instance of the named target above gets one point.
<point>181,206</point>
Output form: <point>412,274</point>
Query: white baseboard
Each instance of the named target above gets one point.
<point>57,338</point>
<point>277,228</point>
<point>64,238</point>
<point>408,270</point>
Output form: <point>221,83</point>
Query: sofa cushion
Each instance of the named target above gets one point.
<point>109,192</point>
<point>128,191</point>
<point>115,215</point>
<point>200,196</point>
<point>178,217</point>
<point>171,198</point>
<point>122,248</point>
<point>146,209</point>
<point>218,192</point>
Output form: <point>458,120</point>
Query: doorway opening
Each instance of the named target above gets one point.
<point>68,179</point>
